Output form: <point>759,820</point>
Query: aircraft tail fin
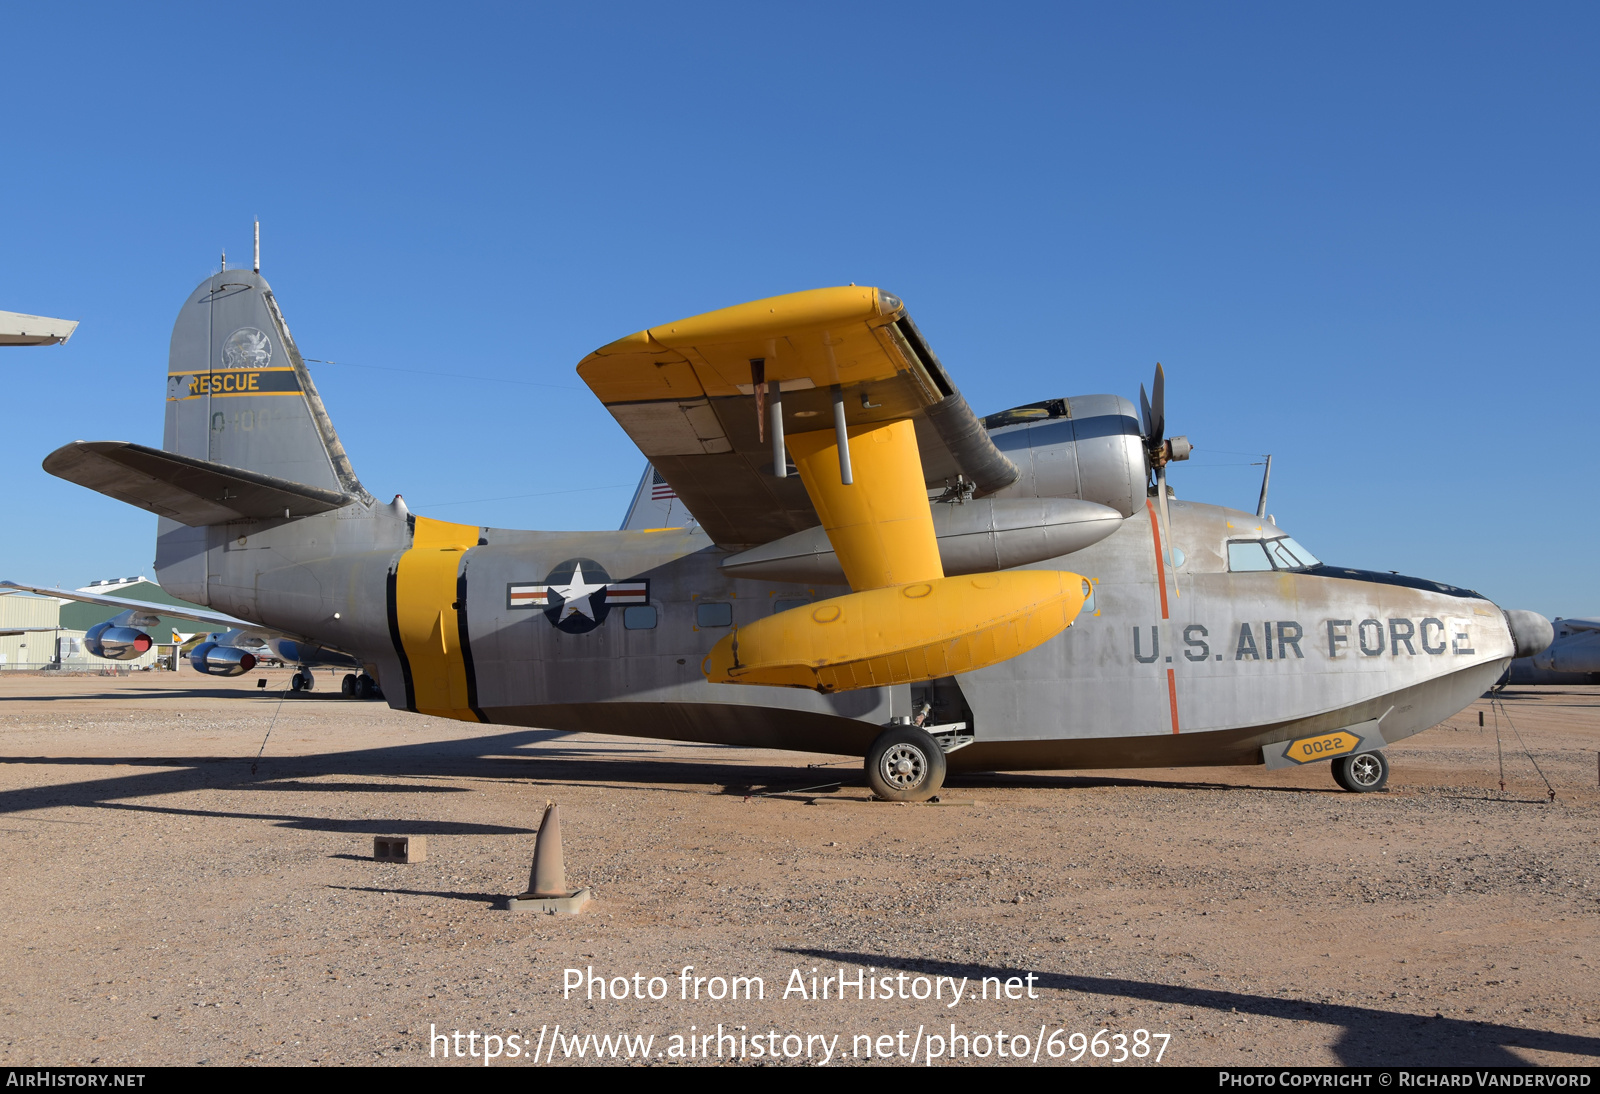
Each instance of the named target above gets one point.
<point>239,393</point>
<point>655,505</point>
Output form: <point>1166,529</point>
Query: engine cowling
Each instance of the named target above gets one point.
<point>1088,447</point>
<point>215,660</point>
<point>116,643</point>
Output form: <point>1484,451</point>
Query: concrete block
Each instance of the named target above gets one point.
<point>400,848</point>
<point>551,905</point>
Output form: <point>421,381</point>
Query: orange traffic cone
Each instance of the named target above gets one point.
<point>547,880</point>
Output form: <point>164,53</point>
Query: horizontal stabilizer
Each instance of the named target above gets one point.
<point>188,490</point>
<point>17,329</point>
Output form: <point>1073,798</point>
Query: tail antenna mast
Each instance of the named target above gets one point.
<point>257,267</point>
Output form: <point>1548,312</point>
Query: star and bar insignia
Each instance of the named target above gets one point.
<point>578,595</point>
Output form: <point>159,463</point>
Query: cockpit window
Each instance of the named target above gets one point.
<point>1247,557</point>
<point>1275,554</point>
<point>1286,554</point>
<point>1032,412</point>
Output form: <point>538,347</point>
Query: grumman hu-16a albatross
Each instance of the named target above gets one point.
<point>871,569</point>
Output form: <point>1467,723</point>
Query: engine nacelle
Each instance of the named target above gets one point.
<point>116,643</point>
<point>215,660</point>
<point>1087,447</point>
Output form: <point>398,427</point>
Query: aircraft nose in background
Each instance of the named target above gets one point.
<point>1531,632</point>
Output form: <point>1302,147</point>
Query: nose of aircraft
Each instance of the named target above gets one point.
<point>1530,632</point>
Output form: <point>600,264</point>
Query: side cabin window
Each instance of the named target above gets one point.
<point>1247,557</point>
<point>1286,554</point>
<point>714,615</point>
<point>639,617</point>
<point>1254,555</point>
<point>782,605</point>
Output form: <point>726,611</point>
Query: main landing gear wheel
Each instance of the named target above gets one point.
<point>366,687</point>
<point>905,764</point>
<point>347,686</point>
<point>1362,773</point>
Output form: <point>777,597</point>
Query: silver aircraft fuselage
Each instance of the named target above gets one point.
<point>1197,666</point>
<point>1199,651</point>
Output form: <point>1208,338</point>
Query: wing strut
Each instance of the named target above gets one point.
<point>841,439</point>
<point>905,621</point>
<point>780,458</point>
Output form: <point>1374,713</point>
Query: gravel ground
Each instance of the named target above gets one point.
<point>167,902</point>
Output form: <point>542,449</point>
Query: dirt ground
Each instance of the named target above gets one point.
<point>168,901</point>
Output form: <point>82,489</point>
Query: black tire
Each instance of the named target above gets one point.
<point>905,764</point>
<point>1362,773</point>
<point>296,683</point>
<point>347,686</point>
<point>366,687</point>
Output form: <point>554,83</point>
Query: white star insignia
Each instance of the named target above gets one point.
<point>575,594</point>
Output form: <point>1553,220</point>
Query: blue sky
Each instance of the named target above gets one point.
<point>1360,237</point>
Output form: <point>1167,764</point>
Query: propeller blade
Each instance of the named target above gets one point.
<point>1158,406</point>
<point>1166,520</point>
<point>1144,413</point>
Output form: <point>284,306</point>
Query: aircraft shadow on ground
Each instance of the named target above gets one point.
<point>1369,1037</point>
<point>534,757</point>
<point>375,826</point>
<point>531,757</point>
<point>1043,781</point>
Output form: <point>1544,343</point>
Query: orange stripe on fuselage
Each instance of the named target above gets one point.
<point>1161,576</point>
<point>1172,698</point>
<point>1161,570</point>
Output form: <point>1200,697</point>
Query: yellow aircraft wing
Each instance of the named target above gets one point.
<point>840,380</point>
<point>695,396</point>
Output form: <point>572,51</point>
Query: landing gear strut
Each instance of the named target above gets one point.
<point>1362,773</point>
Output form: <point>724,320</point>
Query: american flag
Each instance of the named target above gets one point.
<point>659,490</point>
<point>616,593</point>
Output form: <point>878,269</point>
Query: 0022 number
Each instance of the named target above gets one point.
<point>1118,1046</point>
<point>1326,744</point>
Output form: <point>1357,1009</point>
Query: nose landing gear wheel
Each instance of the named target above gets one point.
<point>1362,773</point>
<point>905,764</point>
<point>302,681</point>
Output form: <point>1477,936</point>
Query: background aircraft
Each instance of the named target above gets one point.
<point>1573,657</point>
<point>872,568</point>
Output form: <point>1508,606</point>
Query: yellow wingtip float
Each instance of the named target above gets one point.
<point>906,634</point>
